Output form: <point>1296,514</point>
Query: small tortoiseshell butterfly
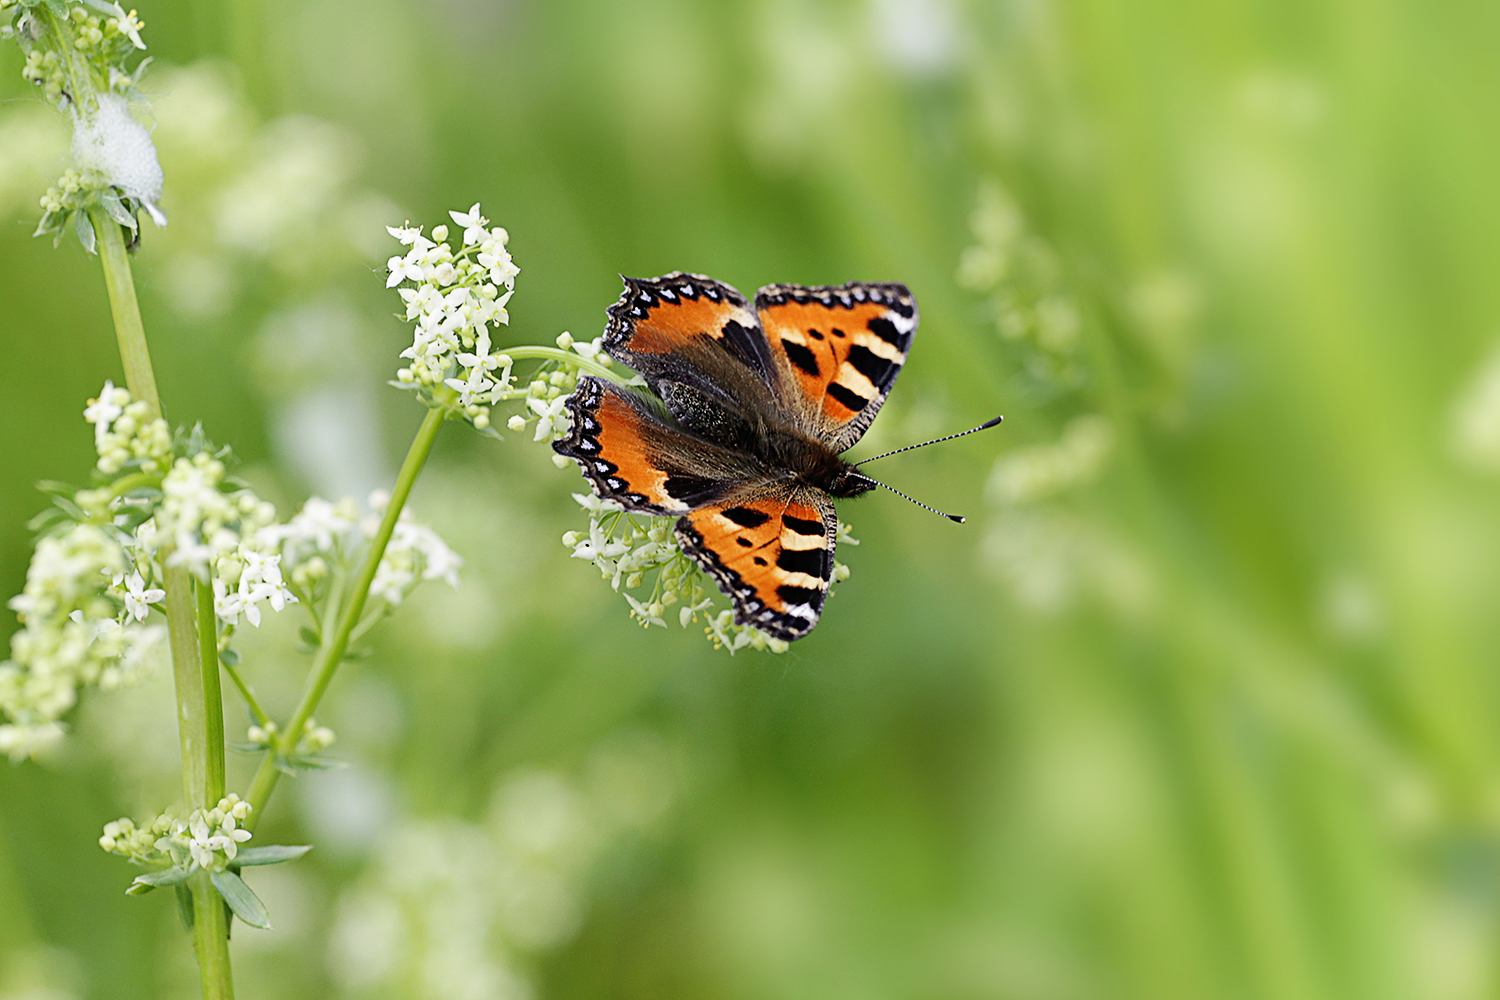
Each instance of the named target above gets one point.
<point>753,408</point>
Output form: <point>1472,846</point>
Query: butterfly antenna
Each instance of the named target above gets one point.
<point>972,430</point>
<point>957,519</point>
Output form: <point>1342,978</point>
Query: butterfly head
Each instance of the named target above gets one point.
<point>847,481</point>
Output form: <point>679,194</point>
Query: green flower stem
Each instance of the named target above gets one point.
<point>140,378</point>
<point>134,481</point>
<point>331,651</point>
<point>556,354</point>
<point>211,938</point>
<point>82,85</point>
<point>213,697</point>
<point>200,713</point>
<point>247,693</point>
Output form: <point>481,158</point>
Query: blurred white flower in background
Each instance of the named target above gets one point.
<point>456,909</point>
<point>919,37</point>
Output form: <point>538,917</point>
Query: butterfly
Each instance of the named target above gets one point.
<point>750,408</point>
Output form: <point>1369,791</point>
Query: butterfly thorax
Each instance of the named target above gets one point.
<point>810,463</point>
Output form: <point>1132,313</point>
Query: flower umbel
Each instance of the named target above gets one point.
<point>455,297</point>
<point>208,838</point>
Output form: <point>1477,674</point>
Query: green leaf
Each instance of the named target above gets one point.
<point>249,748</point>
<point>47,521</point>
<point>150,880</point>
<point>316,761</point>
<point>272,854</point>
<point>245,904</point>
<point>52,222</point>
<point>108,9</point>
<point>184,905</point>
<point>195,440</point>
<point>135,77</point>
<point>116,210</point>
<point>61,230</point>
<point>70,508</point>
<point>296,763</point>
<point>131,518</point>
<point>310,636</point>
<point>229,656</point>
<point>85,229</point>
<point>53,487</point>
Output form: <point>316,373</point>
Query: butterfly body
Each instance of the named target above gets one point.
<point>741,439</point>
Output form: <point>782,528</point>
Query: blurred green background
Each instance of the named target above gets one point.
<point>1198,704</point>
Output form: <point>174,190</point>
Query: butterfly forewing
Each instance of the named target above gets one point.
<point>772,554</point>
<point>656,320</point>
<point>631,455</point>
<point>840,348</point>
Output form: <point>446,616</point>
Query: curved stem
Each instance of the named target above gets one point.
<point>336,643</point>
<point>556,354</point>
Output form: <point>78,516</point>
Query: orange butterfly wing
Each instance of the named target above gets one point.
<point>632,456</point>
<point>839,349</point>
<point>773,556</point>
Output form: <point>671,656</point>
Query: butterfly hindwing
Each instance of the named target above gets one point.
<point>771,554</point>
<point>632,455</point>
<point>839,350</point>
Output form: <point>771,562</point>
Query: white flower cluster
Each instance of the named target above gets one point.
<point>455,297</point>
<point>244,580</point>
<point>626,547</point>
<point>126,434</point>
<point>547,393</point>
<point>207,839</point>
<point>215,527</point>
<point>415,553</point>
<point>323,532</point>
<point>80,615</point>
<point>314,739</point>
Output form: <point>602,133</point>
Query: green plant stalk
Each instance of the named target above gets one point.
<point>130,334</point>
<point>336,643</point>
<point>557,354</point>
<point>259,714</point>
<point>213,697</point>
<point>200,714</point>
